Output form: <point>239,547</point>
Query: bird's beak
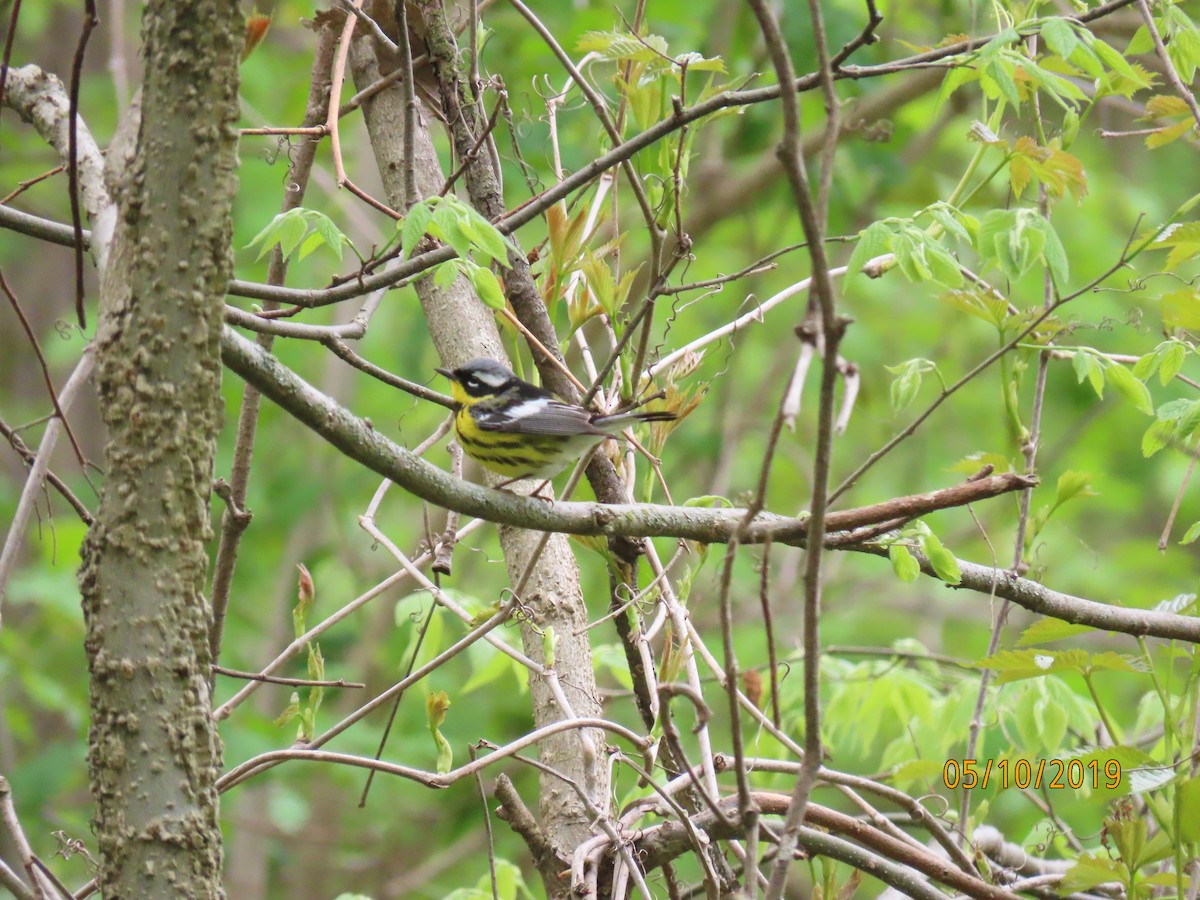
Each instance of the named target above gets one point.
<point>447,372</point>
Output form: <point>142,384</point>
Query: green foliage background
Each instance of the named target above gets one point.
<point>297,832</point>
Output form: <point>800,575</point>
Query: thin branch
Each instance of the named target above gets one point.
<point>295,682</point>
<point>1164,57</point>
<point>812,219</point>
<point>257,764</point>
<point>343,352</point>
<point>236,518</point>
<point>33,481</point>
<point>90,21</point>
<point>41,357</point>
<point>12,825</point>
<point>25,185</point>
<point>514,811</point>
<point>533,208</point>
<point>28,456</point>
<point>302,641</point>
<point>331,121</point>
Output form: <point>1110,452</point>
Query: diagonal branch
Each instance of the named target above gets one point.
<point>364,444</point>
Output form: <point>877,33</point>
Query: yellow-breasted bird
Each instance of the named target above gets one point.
<point>520,430</point>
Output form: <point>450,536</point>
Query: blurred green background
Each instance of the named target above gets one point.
<point>298,832</point>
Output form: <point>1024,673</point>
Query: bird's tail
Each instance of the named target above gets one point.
<point>620,421</point>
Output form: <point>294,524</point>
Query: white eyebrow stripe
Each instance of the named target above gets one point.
<point>492,379</point>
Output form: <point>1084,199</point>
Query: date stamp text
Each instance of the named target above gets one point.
<point>1053,774</point>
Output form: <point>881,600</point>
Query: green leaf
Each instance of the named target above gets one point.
<point>943,265</point>
<point>1000,73</point>
<point>906,384</point>
<point>445,273</point>
<point>1172,361</point>
<point>1156,437</point>
<point>947,217</point>
<point>709,500</point>
<point>414,227</point>
<point>1142,781</point>
<point>956,78</point>
<point>1130,388</point>
<point>910,255</point>
<point>436,704</point>
<point>1054,255</point>
<point>1115,61</point>
<point>1175,410</point>
<point>1046,630</point>
<point>1018,664</point>
<point>942,560</point>
<point>487,285</point>
<point>1087,366</point>
<point>1177,604</point>
<point>1191,534</point>
<point>291,711</point>
<point>1181,309</point>
<point>447,224</point>
<point>286,230</point>
<point>311,243</point>
<point>332,235</point>
<point>1090,871</point>
<point>904,564</point>
<point>1073,484</point>
<point>1189,810</point>
<point>485,237</point>
<point>874,240</point>
<point>1059,37</point>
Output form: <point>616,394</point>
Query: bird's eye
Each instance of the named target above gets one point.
<point>472,383</point>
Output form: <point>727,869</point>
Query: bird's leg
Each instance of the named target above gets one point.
<point>503,486</point>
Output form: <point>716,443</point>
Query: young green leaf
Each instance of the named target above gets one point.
<point>1059,37</point>
<point>414,227</point>
<point>942,560</point>
<point>487,286</point>
<point>1130,388</point>
<point>436,704</point>
<point>904,564</point>
<point>874,240</point>
<point>1087,366</point>
<point>445,273</point>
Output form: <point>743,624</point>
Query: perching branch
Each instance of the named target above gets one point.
<point>367,446</point>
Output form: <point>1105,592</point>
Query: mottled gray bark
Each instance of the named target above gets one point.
<point>462,328</point>
<point>154,753</point>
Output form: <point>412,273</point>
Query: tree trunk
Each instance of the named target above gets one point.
<point>154,753</point>
<point>462,328</point>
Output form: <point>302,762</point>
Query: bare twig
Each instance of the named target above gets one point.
<point>236,519</point>
<point>1160,49</point>
<point>90,20</point>
<point>812,219</point>
<point>296,682</point>
<point>28,456</point>
<point>12,825</point>
<point>33,481</point>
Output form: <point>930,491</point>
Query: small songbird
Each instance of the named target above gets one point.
<point>520,430</point>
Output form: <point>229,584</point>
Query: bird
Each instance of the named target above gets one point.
<point>520,430</point>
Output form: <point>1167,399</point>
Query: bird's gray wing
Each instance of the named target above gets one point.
<point>539,415</point>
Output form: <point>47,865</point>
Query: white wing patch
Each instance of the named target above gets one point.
<point>540,415</point>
